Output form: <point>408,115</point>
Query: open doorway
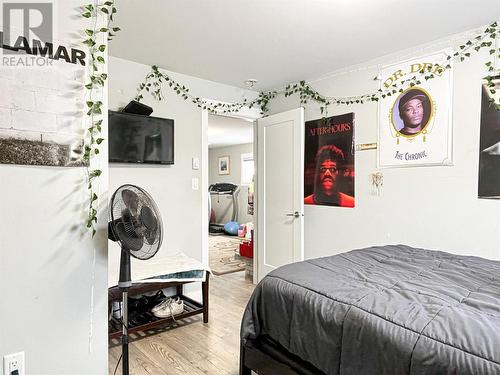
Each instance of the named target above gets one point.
<point>231,171</point>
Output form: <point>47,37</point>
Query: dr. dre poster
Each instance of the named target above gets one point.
<point>415,123</point>
<point>329,161</point>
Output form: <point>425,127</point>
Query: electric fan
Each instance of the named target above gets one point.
<point>135,223</point>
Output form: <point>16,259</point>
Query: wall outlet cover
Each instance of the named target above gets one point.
<point>195,183</point>
<point>13,362</point>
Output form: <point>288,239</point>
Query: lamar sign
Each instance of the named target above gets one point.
<point>41,49</point>
<point>34,46</point>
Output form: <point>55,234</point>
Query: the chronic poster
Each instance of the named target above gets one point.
<point>329,161</point>
<point>415,114</point>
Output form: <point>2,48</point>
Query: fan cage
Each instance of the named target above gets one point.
<point>133,231</point>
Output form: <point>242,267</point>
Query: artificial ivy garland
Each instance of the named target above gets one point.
<point>155,80</point>
<point>96,80</point>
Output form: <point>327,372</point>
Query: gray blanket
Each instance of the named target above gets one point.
<point>383,310</point>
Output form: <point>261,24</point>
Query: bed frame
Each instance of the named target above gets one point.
<point>265,357</point>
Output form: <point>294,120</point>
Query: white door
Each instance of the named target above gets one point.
<point>280,190</point>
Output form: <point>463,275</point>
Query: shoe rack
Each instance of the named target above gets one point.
<point>147,321</point>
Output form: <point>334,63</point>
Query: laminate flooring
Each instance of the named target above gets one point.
<point>194,348</point>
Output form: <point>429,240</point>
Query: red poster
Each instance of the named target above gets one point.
<point>329,161</point>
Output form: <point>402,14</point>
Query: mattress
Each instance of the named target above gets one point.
<point>383,310</point>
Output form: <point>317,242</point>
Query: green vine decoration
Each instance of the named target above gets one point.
<point>156,80</point>
<point>96,80</point>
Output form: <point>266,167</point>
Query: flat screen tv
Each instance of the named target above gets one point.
<point>140,139</point>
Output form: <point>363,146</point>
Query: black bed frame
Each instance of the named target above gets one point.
<point>265,357</point>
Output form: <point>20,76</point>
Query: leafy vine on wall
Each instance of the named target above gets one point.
<point>156,80</point>
<point>100,30</point>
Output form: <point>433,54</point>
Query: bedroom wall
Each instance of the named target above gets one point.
<point>445,212</point>
<point>171,186</point>
<point>223,205</point>
<point>53,275</point>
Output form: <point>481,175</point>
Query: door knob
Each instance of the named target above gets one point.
<point>295,214</point>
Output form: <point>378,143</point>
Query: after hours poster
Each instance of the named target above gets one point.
<point>329,161</point>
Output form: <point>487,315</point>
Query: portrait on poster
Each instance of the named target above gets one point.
<point>412,112</point>
<point>415,122</point>
<point>329,161</point>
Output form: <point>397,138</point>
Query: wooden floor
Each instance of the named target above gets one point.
<point>193,347</point>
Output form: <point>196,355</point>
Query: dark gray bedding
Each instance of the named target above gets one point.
<point>383,310</point>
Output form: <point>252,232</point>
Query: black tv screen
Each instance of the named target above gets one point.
<point>140,139</point>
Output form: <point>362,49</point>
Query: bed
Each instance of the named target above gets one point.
<point>381,310</point>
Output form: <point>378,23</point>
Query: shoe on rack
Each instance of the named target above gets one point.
<point>139,319</point>
<point>154,300</point>
<point>144,303</point>
<point>134,304</point>
<point>168,308</point>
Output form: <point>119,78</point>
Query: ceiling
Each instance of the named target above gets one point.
<point>228,131</point>
<point>283,41</point>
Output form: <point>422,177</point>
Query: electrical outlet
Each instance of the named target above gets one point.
<point>195,183</point>
<point>12,363</point>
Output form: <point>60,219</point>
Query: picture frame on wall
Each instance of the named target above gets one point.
<point>415,121</point>
<point>224,166</point>
<point>329,161</point>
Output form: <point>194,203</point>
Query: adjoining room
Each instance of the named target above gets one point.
<point>231,195</point>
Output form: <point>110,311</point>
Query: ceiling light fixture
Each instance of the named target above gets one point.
<point>250,83</point>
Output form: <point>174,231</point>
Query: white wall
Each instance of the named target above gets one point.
<point>223,204</point>
<point>49,266</point>
<point>445,213</point>
<point>181,207</point>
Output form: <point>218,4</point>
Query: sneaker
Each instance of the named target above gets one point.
<point>168,308</point>
<point>153,300</point>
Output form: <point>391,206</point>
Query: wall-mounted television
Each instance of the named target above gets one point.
<point>140,139</point>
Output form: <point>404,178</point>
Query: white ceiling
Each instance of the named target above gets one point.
<point>283,41</point>
<point>228,131</point>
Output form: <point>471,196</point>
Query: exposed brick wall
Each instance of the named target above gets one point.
<point>42,101</point>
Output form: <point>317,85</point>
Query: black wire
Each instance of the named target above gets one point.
<point>122,323</point>
<point>119,320</point>
<point>117,363</point>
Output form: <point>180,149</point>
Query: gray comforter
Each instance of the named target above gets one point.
<point>383,310</point>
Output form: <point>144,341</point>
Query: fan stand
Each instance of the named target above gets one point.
<point>124,283</point>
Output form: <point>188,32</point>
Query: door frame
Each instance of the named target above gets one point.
<point>255,199</point>
<point>252,115</point>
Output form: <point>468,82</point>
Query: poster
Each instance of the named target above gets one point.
<point>415,124</point>
<point>329,161</point>
<point>489,145</point>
